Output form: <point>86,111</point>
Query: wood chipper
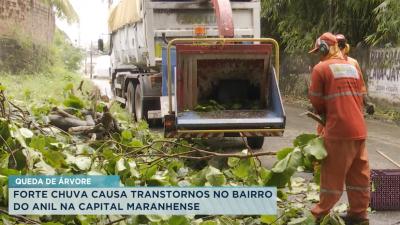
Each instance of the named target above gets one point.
<point>217,77</point>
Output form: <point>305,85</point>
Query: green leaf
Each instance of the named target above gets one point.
<point>341,208</point>
<point>8,172</point>
<point>227,221</point>
<point>289,163</point>
<point>198,179</point>
<point>297,221</point>
<point>52,223</point>
<point>268,219</point>
<point>69,87</point>
<point>73,102</point>
<point>265,174</point>
<point>4,130</point>
<point>233,161</point>
<point>26,133</point>
<point>126,134</point>
<point>108,153</point>
<point>282,195</point>
<point>120,165</point>
<point>15,133</point>
<point>215,177</point>
<point>281,154</point>
<point>303,139</point>
<point>285,168</point>
<point>147,172</point>
<point>2,88</point>
<point>208,222</point>
<point>55,158</point>
<point>38,143</point>
<point>332,219</point>
<point>307,219</point>
<point>133,169</point>
<point>4,159</point>
<point>81,162</point>
<point>156,218</point>
<point>136,143</point>
<point>178,220</point>
<point>312,197</point>
<point>42,167</point>
<point>316,148</point>
<point>243,169</point>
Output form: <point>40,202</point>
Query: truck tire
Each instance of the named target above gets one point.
<point>255,142</point>
<point>141,107</point>
<point>130,99</point>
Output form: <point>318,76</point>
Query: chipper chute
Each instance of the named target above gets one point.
<point>225,89</point>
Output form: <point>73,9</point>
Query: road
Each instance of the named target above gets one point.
<point>381,136</point>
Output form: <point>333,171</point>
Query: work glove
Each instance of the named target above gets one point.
<point>370,108</point>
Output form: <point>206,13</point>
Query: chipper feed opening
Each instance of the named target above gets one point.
<point>230,86</point>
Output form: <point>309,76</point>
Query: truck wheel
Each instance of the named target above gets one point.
<point>130,98</point>
<point>255,142</point>
<point>140,106</point>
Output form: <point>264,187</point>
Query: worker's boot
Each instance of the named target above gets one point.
<point>348,220</point>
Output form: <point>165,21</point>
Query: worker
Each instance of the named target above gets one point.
<point>336,94</point>
<point>345,49</point>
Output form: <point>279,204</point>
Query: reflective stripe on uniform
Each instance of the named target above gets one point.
<point>329,191</point>
<point>340,94</point>
<point>315,94</point>
<point>357,188</point>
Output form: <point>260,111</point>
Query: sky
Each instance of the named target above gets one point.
<point>93,16</point>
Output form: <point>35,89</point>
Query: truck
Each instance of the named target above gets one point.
<point>200,66</point>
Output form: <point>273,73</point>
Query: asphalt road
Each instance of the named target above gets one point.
<point>381,136</point>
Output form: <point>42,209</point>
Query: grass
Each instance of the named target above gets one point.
<point>40,92</point>
<point>28,89</point>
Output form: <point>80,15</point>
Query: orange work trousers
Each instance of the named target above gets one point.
<point>346,163</point>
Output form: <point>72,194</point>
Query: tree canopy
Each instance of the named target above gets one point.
<point>297,23</point>
<point>64,10</point>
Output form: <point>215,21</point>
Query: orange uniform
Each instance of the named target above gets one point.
<point>354,62</point>
<point>336,91</point>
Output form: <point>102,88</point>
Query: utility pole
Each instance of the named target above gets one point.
<point>91,59</point>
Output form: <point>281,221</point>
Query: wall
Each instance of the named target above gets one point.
<point>30,17</point>
<point>380,67</point>
<point>384,74</point>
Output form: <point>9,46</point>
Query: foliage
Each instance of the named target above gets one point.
<point>64,10</point>
<point>388,23</point>
<point>26,57</point>
<point>65,55</point>
<point>298,23</point>
<point>26,149</point>
<point>41,92</point>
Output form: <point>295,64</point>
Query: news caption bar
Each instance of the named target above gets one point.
<point>104,195</point>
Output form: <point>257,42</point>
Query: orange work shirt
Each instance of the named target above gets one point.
<point>354,62</point>
<point>336,91</point>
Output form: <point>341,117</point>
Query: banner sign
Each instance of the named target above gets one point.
<point>104,195</point>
